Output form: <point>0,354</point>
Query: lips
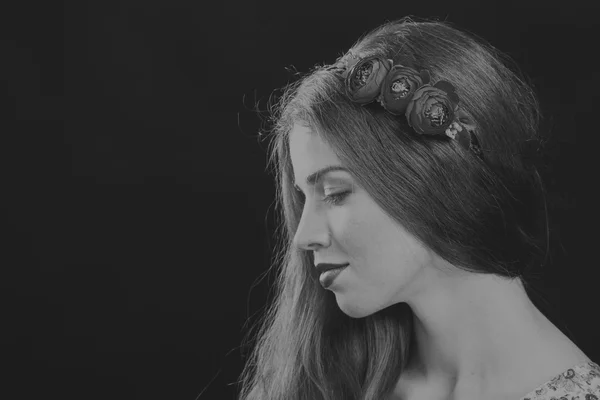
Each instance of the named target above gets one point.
<point>326,267</point>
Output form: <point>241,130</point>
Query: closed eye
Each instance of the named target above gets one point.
<point>335,198</point>
<point>332,199</point>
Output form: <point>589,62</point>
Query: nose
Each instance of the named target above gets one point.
<point>312,231</point>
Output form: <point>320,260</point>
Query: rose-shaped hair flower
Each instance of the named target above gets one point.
<point>398,88</point>
<point>363,78</point>
<point>432,108</point>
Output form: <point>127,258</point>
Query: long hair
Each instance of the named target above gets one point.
<point>481,216</point>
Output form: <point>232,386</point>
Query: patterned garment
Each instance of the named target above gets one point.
<point>581,382</point>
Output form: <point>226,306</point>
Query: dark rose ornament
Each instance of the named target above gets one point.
<point>429,110</point>
<point>432,108</point>
<point>399,86</point>
<point>364,78</point>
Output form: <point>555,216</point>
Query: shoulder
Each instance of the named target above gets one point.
<point>581,381</point>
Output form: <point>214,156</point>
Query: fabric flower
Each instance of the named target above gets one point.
<point>399,85</point>
<point>363,80</point>
<point>429,110</point>
<point>432,108</point>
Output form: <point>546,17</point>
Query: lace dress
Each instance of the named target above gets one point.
<point>580,382</point>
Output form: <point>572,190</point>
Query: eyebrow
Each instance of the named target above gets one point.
<point>313,178</point>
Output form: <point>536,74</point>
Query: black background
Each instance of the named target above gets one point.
<point>137,211</point>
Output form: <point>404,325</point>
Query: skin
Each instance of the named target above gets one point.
<point>478,336</point>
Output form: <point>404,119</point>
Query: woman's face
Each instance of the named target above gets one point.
<point>385,260</point>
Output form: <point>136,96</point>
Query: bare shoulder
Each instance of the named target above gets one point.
<point>525,378</point>
<point>543,366</point>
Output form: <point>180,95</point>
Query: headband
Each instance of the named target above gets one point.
<point>429,109</point>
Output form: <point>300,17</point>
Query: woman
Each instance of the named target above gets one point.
<point>403,169</point>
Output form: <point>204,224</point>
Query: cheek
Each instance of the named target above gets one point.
<point>385,251</point>
<point>368,239</point>
<point>354,231</point>
<point>374,241</point>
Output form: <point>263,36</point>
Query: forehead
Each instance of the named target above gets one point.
<point>308,152</point>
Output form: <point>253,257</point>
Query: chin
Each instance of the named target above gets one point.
<point>355,312</point>
<point>362,309</point>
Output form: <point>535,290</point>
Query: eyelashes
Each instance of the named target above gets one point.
<point>335,198</point>
<point>332,199</point>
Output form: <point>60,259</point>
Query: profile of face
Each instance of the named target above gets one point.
<point>386,261</point>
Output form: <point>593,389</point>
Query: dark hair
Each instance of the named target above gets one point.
<point>481,216</point>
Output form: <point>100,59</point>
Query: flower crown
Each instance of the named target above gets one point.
<point>429,109</point>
